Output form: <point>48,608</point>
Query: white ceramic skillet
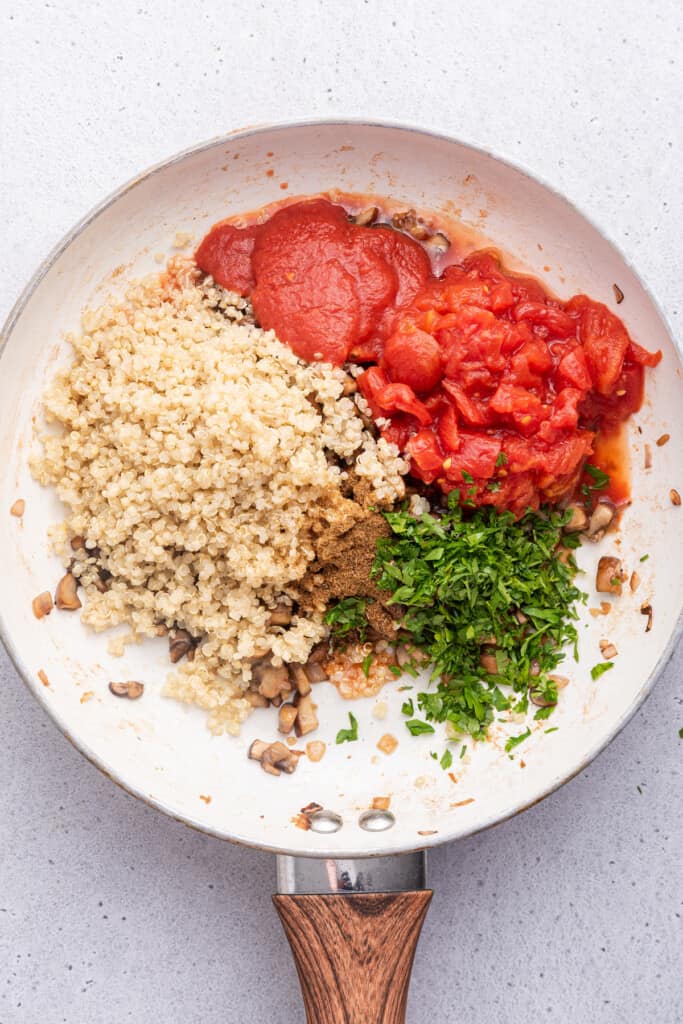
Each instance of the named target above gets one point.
<point>353,952</point>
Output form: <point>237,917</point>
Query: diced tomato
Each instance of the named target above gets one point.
<point>519,407</point>
<point>402,398</point>
<point>573,369</point>
<point>448,429</point>
<point>559,324</point>
<point>423,449</point>
<point>530,363</point>
<point>604,339</point>
<point>413,358</point>
<point>472,412</point>
<point>476,455</point>
<point>638,354</point>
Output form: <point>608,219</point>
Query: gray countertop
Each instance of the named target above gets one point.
<point>570,913</point>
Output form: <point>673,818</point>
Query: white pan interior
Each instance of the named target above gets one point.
<point>162,751</point>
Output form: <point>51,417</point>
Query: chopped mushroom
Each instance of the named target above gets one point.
<point>618,294</point>
<point>646,609</point>
<point>271,680</point>
<point>132,690</point>
<point>42,604</point>
<point>256,699</point>
<point>489,662</point>
<point>578,520</point>
<point>438,242</point>
<point>537,698</point>
<point>610,575</point>
<point>66,597</point>
<point>409,222</point>
<point>77,543</point>
<point>600,520</point>
<point>306,719</point>
<point>281,615</point>
<point>180,643</point>
<point>286,718</point>
<point>315,671</point>
<point>17,509</point>
<point>366,217</point>
<point>299,678</point>
<point>257,750</point>
<point>273,757</point>
<point>560,681</point>
<point>320,652</point>
<point>608,650</point>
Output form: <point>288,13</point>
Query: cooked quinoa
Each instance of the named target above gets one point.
<point>195,453</point>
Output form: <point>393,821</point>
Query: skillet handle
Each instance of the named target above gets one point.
<point>354,953</point>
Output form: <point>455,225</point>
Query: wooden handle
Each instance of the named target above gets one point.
<point>354,953</point>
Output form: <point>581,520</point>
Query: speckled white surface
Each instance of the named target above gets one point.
<point>570,913</point>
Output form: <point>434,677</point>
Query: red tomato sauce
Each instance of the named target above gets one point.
<point>490,385</point>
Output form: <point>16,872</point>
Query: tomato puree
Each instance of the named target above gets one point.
<point>490,385</point>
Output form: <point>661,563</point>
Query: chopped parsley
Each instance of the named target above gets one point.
<point>408,708</point>
<point>348,616</point>
<point>644,558</point>
<point>417,728</point>
<point>462,580</point>
<point>601,668</point>
<point>514,741</point>
<point>366,663</point>
<point>348,735</point>
<point>501,459</point>
<point>553,729</point>
<point>446,760</point>
<point>680,734</point>
<point>600,478</point>
<point>544,713</point>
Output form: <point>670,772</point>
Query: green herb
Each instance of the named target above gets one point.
<point>348,616</point>
<point>600,479</point>
<point>501,459</point>
<point>366,663</point>
<point>408,708</point>
<point>463,751</point>
<point>467,477</point>
<point>446,760</point>
<point>639,790</point>
<point>514,741</point>
<point>553,729</point>
<point>493,486</point>
<point>395,670</point>
<point>433,754</point>
<point>680,734</point>
<point>544,713</point>
<point>644,558</point>
<point>603,667</point>
<point>416,727</point>
<point>463,577</point>
<point>348,735</point>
